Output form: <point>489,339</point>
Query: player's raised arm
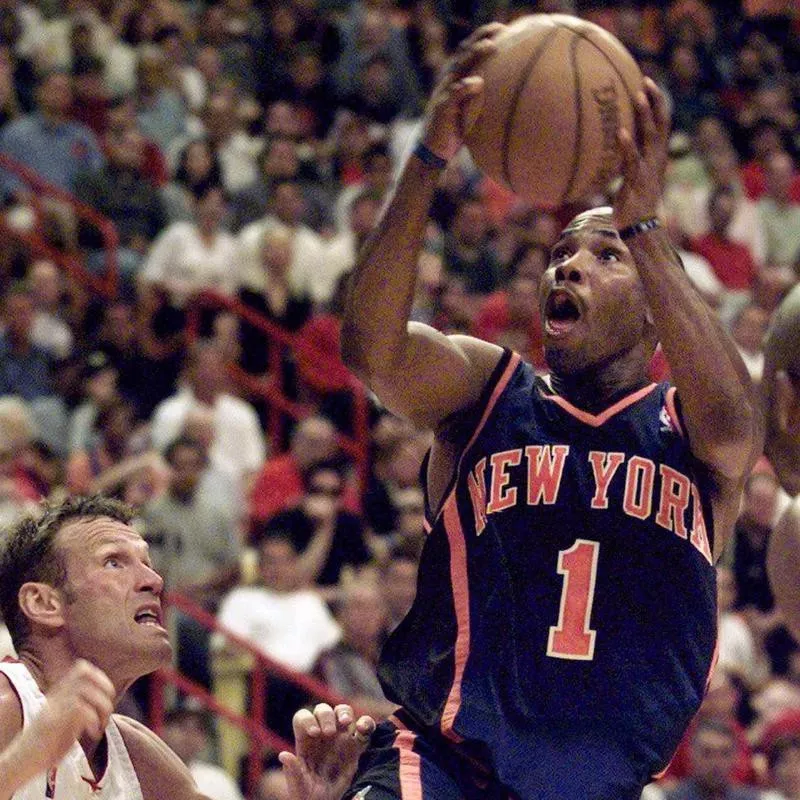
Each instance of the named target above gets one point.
<point>160,772</point>
<point>416,371</point>
<point>719,403</point>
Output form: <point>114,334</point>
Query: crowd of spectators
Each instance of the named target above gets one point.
<point>246,148</point>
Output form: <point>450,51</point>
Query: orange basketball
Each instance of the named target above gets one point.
<point>556,91</point>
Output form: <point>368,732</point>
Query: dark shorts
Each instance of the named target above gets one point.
<point>407,763</point>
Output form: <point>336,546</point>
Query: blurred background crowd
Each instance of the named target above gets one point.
<point>245,148</point>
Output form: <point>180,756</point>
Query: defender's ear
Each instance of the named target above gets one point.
<point>787,405</point>
<point>42,604</point>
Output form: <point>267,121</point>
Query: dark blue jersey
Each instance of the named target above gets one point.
<point>566,608</point>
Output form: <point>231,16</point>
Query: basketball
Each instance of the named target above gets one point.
<point>556,91</point>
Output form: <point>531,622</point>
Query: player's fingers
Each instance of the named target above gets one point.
<point>85,675</point>
<point>97,699</point>
<point>658,103</point>
<point>364,728</point>
<point>344,715</point>
<point>326,719</point>
<point>630,154</point>
<point>470,85</point>
<point>304,724</point>
<point>484,32</point>
<point>293,772</point>
<point>90,720</point>
<point>645,124</point>
<point>471,56</point>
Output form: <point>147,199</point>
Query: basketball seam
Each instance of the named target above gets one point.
<point>573,173</point>
<point>605,56</point>
<point>512,108</point>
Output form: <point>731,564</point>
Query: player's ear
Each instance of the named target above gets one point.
<point>42,604</point>
<point>787,405</point>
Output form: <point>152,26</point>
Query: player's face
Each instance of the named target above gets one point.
<point>112,614</point>
<point>591,300</point>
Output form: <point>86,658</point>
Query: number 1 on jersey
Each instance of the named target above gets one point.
<point>572,637</point>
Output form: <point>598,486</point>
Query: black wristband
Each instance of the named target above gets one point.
<point>642,226</point>
<point>428,157</point>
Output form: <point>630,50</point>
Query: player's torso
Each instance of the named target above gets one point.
<point>72,779</point>
<point>566,592</point>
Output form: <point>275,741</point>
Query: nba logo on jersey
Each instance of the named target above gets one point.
<point>50,789</point>
<point>666,421</point>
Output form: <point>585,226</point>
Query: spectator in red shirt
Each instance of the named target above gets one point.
<point>732,262</point>
<point>279,485</point>
<point>766,140</point>
<point>510,316</point>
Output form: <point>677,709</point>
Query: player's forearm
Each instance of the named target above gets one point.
<point>375,329</point>
<point>718,399</point>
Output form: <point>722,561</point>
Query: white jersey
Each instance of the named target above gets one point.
<point>72,779</point>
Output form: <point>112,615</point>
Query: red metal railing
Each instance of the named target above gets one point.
<point>39,189</point>
<point>255,726</point>
<point>271,387</point>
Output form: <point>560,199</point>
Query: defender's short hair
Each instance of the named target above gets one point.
<point>29,553</point>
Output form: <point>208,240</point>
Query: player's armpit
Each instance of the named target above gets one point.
<point>161,773</point>
<point>435,376</point>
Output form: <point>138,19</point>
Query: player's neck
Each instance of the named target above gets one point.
<point>48,668</point>
<point>600,386</point>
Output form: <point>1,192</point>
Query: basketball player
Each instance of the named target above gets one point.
<point>782,396</point>
<point>83,607</point>
<point>565,619</point>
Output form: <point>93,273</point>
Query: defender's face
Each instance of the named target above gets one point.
<point>591,300</point>
<point>112,614</point>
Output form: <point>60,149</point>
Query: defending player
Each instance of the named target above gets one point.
<point>782,396</point>
<point>83,607</point>
<point>564,625</point>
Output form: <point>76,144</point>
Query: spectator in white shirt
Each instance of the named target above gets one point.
<point>49,331</point>
<point>285,620</point>
<point>378,178</point>
<point>191,256</point>
<point>342,249</point>
<point>238,448</point>
<point>748,328</point>
<point>308,248</point>
<point>739,652</point>
<point>689,204</point>
<point>236,150</point>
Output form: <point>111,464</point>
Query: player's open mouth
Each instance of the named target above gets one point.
<point>148,616</point>
<point>561,312</point>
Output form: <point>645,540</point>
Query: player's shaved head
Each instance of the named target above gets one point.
<point>781,386</point>
<point>783,338</point>
<point>601,214</point>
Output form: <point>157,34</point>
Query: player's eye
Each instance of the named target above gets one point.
<point>559,254</point>
<point>608,254</point>
<point>112,561</point>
